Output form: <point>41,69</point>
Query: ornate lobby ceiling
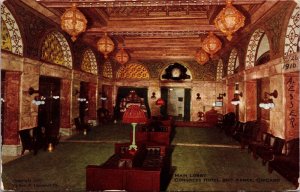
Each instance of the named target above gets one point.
<point>153,29</point>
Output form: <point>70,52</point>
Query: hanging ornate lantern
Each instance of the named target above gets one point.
<point>201,57</point>
<point>211,44</point>
<point>229,20</point>
<point>105,45</point>
<point>122,56</point>
<point>73,22</point>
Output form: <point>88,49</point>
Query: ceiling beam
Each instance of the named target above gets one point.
<point>142,3</point>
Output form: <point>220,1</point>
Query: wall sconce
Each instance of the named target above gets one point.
<point>198,96</point>
<point>82,99</point>
<point>237,94</point>
<point>103,96</point>
<point>267,103</point>
<point>32,91</point>
<point>221,95</point>
<point>153,96</point>
<point>39,100</point>
<point>236,99</point>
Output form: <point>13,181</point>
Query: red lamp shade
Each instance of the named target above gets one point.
<point>134,114</point>
<point>160,102</point>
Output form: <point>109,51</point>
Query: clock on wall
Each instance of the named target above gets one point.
<point>176,71</point>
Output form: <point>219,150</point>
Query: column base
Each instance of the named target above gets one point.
<point>11,150</point>
<point>67,131</point>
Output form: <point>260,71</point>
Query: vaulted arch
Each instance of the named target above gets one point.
<point>219,74</point>
<point>252,48</point>
<point>232,62</point>
<point>10,32</point>
<point>292,37</point>
<point>89,63</point>
<point>55,49</point>
<point>133,71</point>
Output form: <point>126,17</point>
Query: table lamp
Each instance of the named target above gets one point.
<point>134,115</point>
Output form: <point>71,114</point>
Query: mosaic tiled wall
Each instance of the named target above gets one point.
<point>89,63</point>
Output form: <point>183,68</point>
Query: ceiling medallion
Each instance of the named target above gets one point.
<point>105,45</point>
<point>229,20</point>
<point>122,56</point>
<point>201,57</point>
<point>211,44</point>
<point>73,22</point>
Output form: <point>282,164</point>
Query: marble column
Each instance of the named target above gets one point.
<point>11,113</point>
<point>65,107</point>
<point>291,89</point>
<point>230,96</point>
<point>251,100</point>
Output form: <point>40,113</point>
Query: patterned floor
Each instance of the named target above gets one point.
<point>202,160</point>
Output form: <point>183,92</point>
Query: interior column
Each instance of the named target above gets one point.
<point>251,100</point>
<point>291,89</point>
<point>65,106</point>
<point>11,114</point>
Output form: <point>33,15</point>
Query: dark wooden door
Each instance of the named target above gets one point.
<point>83,105</point>
<point>49,113</point>
<point>187,104</point>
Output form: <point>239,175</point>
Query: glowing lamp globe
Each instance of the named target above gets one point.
<point>122,56</point>
<point>105,45</point>
<point>73,22</point>
<point>201,57</point>
<point>211,44</point>
<point>229,20</point>
<point>160,102</point>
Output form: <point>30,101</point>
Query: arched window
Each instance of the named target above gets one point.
<point>89,63</point>
<point>10,33</point>
<point>219,74</point>
<point>232,62</point>
<point>263,51</point>
<point>55,49</point>
<point>252,48</point>
<point>292,36</point>
<point>107,69</point>
<point>133,71</point>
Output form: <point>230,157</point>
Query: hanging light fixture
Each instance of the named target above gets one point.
<point>105,45</point>
<point>73,22</point>
<point>122,56</point>
<point>201,57</point>
<point>229,20</point>
<point>211,44</point>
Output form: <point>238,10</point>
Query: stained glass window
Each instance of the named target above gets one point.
<point>56,50</point>
<point>107,69</point>
<point>219,71</point>
<point>252,47</point>
<point>89,63</point>
<point>10,32</point>
<point>133,71</point>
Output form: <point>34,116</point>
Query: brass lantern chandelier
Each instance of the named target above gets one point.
<point>211,44</point>
<point>105,45</point>
<point>201,57</point>
<point>73,22</point>
<point>229,20</point>
<point>122,56</point>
